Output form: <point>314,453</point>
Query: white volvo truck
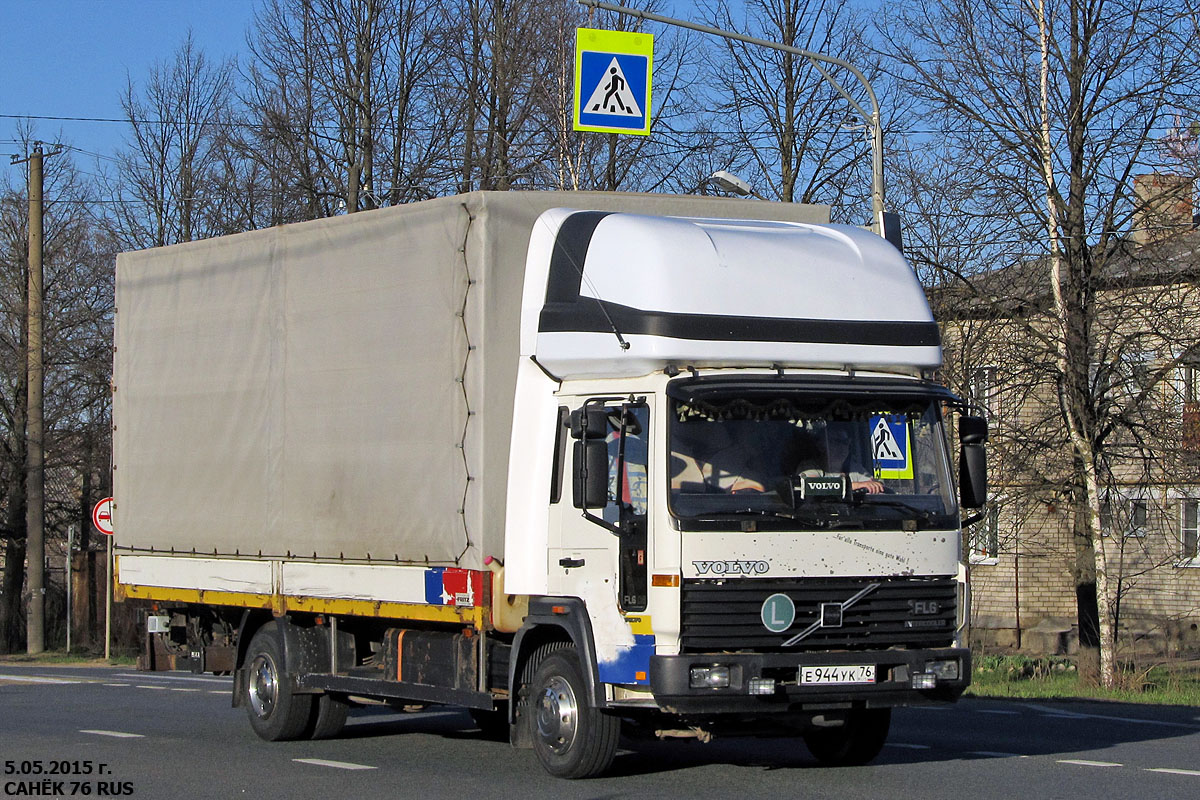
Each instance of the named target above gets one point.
<point>581,463</point>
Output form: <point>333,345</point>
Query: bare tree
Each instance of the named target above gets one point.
<point>794,132</point>
<point>341,101</point>
<point>1056,106</point>
<point>165,173</point>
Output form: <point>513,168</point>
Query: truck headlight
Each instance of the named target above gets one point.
<point>714,677</point>
<point>946,670</point>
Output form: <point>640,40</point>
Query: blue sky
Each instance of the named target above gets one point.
<point>70,58</point>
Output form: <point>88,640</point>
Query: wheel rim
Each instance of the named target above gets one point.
<point>557,715</point>
<point>263,686</point>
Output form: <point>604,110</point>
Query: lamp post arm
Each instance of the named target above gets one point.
<point>872,118</point>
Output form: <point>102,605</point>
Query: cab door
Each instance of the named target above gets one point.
<point>602,540</point>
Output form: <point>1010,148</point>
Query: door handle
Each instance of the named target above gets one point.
<point>570,563</point>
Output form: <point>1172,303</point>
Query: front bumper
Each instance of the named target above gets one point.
<point>894,670</point>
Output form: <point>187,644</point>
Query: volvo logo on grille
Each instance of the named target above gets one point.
<point>830,615</point>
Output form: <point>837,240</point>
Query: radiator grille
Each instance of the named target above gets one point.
<point>726,614</point>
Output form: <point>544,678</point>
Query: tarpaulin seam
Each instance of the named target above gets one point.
<point>462,384</point>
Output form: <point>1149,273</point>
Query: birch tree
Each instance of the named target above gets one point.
<point>1056,106</point>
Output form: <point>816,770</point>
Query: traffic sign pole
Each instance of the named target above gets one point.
<point>102,518</point>
<point>872,117</point>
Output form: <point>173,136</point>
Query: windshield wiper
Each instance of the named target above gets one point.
<point>739,513</point>
<point>922,514</point>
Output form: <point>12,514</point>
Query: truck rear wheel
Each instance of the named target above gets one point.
<point>572,738</point>
<point>328,717</point>
<point>857,742</point>
<point>276,712</point>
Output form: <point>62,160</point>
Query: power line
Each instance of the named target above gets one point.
<point>428,128</point>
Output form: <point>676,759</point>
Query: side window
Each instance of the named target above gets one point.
<point>628,455</point>
<point>562,425</point>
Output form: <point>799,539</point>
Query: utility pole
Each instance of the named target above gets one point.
<point>35,462</point>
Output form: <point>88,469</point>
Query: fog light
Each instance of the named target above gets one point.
<point>762,686</point>
<point>946,670</point>
<point>923,680</point>
<point>710,677</point>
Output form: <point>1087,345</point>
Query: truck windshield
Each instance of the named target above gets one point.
<point>867,463</point>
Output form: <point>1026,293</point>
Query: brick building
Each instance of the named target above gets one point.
<point>1143,377</point>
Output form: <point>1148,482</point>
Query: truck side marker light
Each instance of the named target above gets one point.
<point>558,609</point>
<point>641,676</point>
<point>671,581</point>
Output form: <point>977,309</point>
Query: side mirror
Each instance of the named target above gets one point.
<point>972,462</point>
<point>589,423</point>
<point>589,482</point>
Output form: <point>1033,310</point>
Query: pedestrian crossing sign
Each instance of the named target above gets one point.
<point>612,81</point>
<point>891,443</point>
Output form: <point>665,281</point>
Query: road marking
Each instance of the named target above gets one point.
<point>906,746</point>
<point>147,686</point>
<point>1083,763</point>
<point>218,691</point>
<point>1061,714</point>
<point>185,689</point>
<point>144,676</point>
<point>116,684</point>
<point>320,762</point>
<point>995,754</point>
<point>36,679</point>
<point>1195,773</point>
<point>1002,711</point>
<point>116,734</point>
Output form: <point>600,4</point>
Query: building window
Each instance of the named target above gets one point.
<point>1138,372</point>
<point>1189,390</point>
<point>1137,514</point>
<point>1189,375</point>
<point>983,390</point>
<point>1188,516</point>
<point>985,538</point>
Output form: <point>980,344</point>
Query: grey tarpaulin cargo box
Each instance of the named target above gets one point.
<point>336,389</point>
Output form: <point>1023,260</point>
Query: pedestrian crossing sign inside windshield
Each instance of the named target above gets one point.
<point>612,81</point>
<point>891,444</point>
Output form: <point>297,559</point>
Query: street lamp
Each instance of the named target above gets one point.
<point>728,182</point>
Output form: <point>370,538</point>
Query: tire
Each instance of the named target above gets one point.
<point>276,713</point>
<point>327,718</point>
<point>571,737</point>
<point>857,742</point>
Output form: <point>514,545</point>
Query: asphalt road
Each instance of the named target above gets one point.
<point>95,731</point>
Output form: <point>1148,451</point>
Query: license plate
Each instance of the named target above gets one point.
<point>854,673</point>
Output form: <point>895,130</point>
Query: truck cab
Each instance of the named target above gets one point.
<point>753,518</point>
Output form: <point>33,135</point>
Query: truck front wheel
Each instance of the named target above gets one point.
<point>276,712</point>
<point>855,743</point>
<point>572,738</point>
